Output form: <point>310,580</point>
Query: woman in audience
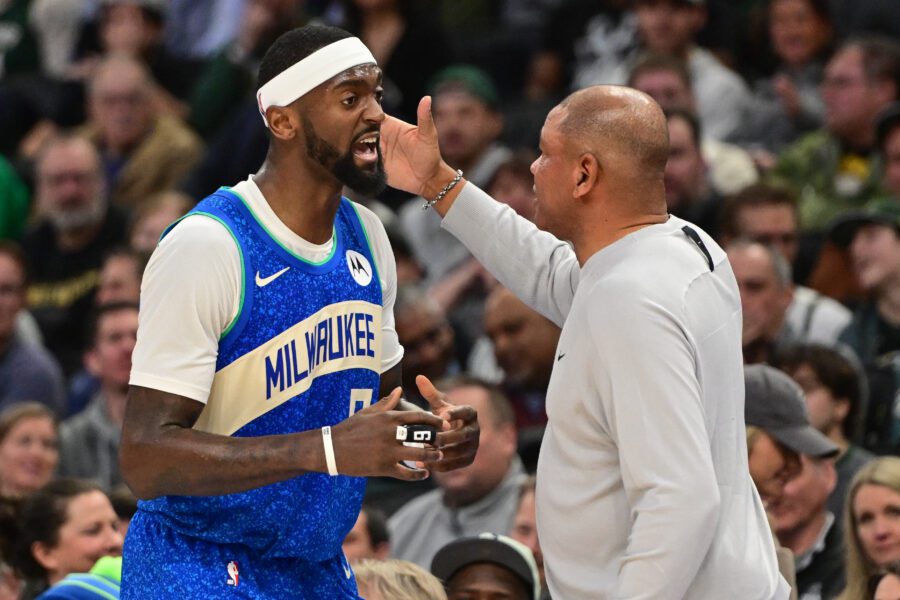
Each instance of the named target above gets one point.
<point>65,527</point>
<point>788,104</point>
<point>396,580</point>
<point>872,522</point>
<point>28,448</point>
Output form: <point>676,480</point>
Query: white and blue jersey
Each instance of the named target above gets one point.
<point>303,351</point>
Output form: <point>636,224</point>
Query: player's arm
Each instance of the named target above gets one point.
<point>540,269</point>
<point>161,454</point>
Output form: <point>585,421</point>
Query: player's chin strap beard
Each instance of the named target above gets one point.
<point>312,71</point>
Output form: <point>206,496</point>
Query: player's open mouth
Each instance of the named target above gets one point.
<point>365,150</point>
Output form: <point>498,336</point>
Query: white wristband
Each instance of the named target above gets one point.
<point>329,451</point>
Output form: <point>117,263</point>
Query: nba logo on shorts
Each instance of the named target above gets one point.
<point>232,573</point>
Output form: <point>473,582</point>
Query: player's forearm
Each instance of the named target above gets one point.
<point>173,458</point>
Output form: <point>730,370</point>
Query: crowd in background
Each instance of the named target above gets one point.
<point>117,116</point>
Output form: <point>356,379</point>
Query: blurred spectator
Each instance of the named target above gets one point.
<point>28,449</point>
<point>767,214</point>
<point>873,236</point>
<point>666,80</point>
<point>764,280</point>
<point>426,337</point>
<point>396,580</point>
<point>198,30</point>
<point>888,131</point>
<point>66,246</point>
<point>524,530</point>
<point>468,122</point>
<point>120,277</point>
<point>125,505</point>
<point>134,29</point>
<point>27,370</point>
<point>487,566</point>
<point>368,538</point>
<point>803,523</point>
<point>14,205</point>
<point>57,25</point>
<point>65,527</point>
<point>19,51</point>
<point>230,78</point>
<point>89,441</point>
<point>143,152</point>
<point>689,194</point>
<point>834,169</point>
<point>788,103</point>
<point>480,497</point>
<point>669,27</point>
<point>513,183</point>
<point>832,389</point>
<point>524,344</point>
<point>872,526</point>
<point>409,44</point>
<point>154,216</point>
<point>583,41</point>
<point>102,582</point>
<point>409,270</point>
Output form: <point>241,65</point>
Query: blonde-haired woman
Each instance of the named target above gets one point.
<point>872,523</point>
<point>396,580</point>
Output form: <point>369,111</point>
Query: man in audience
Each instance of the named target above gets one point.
<point>524,345</point>
<point>487,566</point>
<point>480,497</point>
<point>666,79</point>
<point>764,281</point>
<point>832,390</point>
<point>120,277</point>
<point>767,214</point>
<point>804,524</point>
<point>689,194</point>
<point>143,152</point>
<point>525,530</point>
<point>873,237</point>
<point>835,167</point>
<point>369,536</point>
<point>65,248</point>
<point>27,370</point>
<point>89,441</point>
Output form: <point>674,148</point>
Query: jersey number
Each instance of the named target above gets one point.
<point>359,399</point>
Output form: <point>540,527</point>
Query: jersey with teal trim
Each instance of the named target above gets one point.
<point>303,352</point>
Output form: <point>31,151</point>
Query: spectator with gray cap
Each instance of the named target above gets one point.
<point>774,404</point>
<point>873,238</point>
<point>487,564</point>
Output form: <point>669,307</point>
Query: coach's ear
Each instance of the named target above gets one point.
<point>282,122</point>
<point>587,172</point>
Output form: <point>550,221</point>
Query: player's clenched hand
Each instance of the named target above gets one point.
<point>411,154</point>
<point>460,443</point>
<point>366,444</point>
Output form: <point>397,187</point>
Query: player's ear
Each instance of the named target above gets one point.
<point>283,123</point>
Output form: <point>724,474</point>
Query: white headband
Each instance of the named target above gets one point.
<point>315,69</point>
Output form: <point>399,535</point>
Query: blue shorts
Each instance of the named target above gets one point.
<point>160,563</point>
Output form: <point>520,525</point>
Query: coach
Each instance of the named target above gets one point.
<point>643,489</point>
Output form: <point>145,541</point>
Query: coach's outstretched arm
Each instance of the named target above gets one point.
<point>535,265</point>
<point>160,453</point>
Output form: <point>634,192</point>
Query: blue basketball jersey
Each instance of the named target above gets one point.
<point>304,351</point>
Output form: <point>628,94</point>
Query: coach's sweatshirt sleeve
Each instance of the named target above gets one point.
<point>651,398</point>
<point>537,267</point>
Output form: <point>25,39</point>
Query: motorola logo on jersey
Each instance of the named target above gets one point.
<point>359,267</point>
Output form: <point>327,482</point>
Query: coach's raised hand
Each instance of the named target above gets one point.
<point>366,443</point>
<point>460,443</point>
<point>412,158</point>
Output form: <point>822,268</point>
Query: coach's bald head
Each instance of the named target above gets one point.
<point>600,175</point>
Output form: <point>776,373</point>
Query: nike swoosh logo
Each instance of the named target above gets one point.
<point>559,358</point>
<point>264,281</point>
<point>347,571</point>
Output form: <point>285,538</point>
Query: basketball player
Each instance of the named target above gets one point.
<point>266,332</point>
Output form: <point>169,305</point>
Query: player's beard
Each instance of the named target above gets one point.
<point>365,182</point>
